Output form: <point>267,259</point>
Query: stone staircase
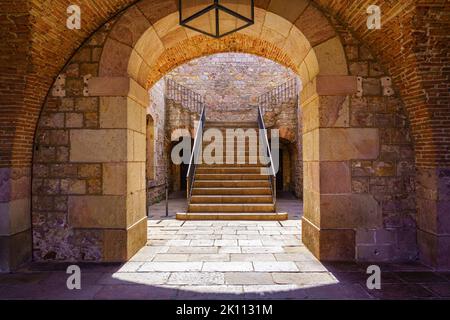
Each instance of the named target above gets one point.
<point>235,191</point>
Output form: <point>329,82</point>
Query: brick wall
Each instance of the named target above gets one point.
<point>411,46</point>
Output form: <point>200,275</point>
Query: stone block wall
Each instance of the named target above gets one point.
<point>284,117</point>
<point>362,140</point>
<point>89,166</point>
<point>359,168</point>
<point>231,81</point>
<point>158,111</point>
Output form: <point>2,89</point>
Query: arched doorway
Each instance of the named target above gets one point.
<point>127,68</point>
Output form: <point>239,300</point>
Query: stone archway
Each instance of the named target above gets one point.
<point>166,45</point>
<point>107,146</point>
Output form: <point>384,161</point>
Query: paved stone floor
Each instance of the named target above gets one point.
<point>225,260</point>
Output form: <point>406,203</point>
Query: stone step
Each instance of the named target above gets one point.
<point>254,216</point>
<point>231,183</point>
<point>237,162</point>
<point>230,176</point>
<point>231,165</point>
<point>237,149</point>
<point>232,191</point>
<point>231,124</point>
<point>229,170</point>
<point>236,208</point>
<point>231,199</point>
<point>234,130</point>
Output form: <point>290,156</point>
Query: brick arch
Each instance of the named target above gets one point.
<point>142,50</point>
<point>135,55</point>
<point>35,71</point>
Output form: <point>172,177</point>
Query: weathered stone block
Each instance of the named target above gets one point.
<point>97,211</point>
<point>334,111</point>
<point>290,10</point>
<point>114,61</point>
<point>73,186</point>
<point>334,85</point>
<point>87,104</point>
<point>434,249</point>
<point>108,86</point>
<point>113,112</point>
<point>15,216</point>
<point>335,178</point>
<point>98,145</point>
<point>311,145</point>
<point>349,211</point>
<point>15,251</point>
<point>327,244</point>
<point>331,57</point>
<point>121,244</point>
<point>74,120</point>
<point>374,253</point>
<point>130,27</point>
<point>312,207</point>
<point>136,207</point>
<point>347,144</point>
<point>310,115</point>
<point>115,179</point>
<point>314,25</point>
<point>371,87</point>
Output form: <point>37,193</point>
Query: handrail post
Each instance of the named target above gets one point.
<point>195,153</point>
<point>272,174</point>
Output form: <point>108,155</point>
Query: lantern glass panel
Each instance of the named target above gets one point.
<point>191,7</point>
<point>242,7</point>
<point>205,23</point>
<point>229,23</point>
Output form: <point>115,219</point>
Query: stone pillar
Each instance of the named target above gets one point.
<point>15,218</point>
<point>433,216</point>
<point>331,211</point>
<point>119,145</point>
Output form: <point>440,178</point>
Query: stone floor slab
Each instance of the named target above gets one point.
<point>195,278</point>
<point>248,278</point>
<point>227,267</point>
<point>170,266</point>
<point>275,266</point>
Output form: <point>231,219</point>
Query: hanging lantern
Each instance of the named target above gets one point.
<point>217,18</point>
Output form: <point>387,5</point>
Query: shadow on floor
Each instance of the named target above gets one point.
<point>44,281</point>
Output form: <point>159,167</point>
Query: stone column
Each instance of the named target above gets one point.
<point>119,145</point>
<point>331,211</point>
<point>433,216</point>
<point>15,217</point>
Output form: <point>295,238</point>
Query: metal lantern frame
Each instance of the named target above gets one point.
<point>217,7</point>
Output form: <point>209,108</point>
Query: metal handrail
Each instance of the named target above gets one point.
<point>272,173</point>
<point>188,98</point>
<point>196,152</point>
<point>279,94</point>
